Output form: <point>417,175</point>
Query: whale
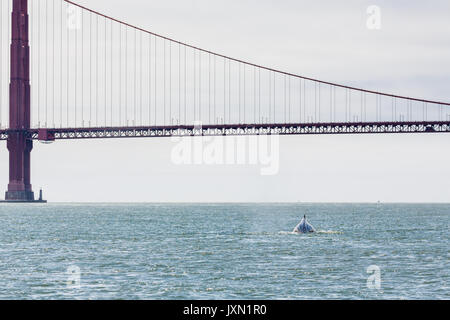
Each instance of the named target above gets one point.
<point>304,227</point>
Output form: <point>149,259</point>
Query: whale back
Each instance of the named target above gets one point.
<point>304,227</point>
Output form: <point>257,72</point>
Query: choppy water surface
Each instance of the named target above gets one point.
<point>218,251</point>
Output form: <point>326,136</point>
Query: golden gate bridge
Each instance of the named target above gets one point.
<point>68,72</point>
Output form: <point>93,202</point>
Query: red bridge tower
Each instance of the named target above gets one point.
<point>19,143</point>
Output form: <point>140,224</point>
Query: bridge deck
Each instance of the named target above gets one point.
<point>50,134</point>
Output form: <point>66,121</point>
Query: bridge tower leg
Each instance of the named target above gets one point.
<point>19,144</point>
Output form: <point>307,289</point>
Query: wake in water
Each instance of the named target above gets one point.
<point>312,233</point>
<point>328,232</point>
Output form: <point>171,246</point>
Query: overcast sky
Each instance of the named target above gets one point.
<point>328,40</point>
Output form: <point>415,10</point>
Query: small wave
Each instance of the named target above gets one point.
<point>287,232</point>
